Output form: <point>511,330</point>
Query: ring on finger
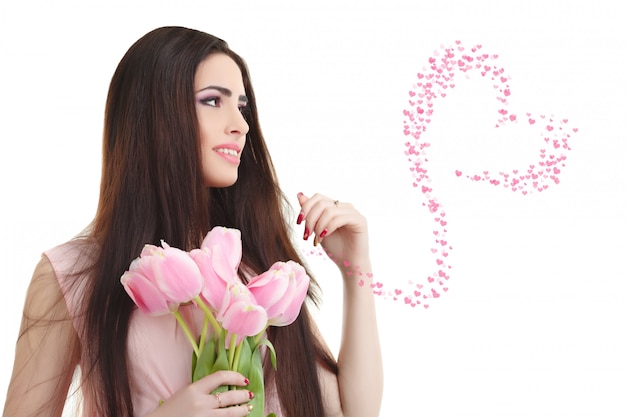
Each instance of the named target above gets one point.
<point>219,400</point>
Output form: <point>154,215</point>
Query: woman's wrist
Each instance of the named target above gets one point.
<point>359,267</point>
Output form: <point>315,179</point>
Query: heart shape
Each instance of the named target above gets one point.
<point>435,81</point>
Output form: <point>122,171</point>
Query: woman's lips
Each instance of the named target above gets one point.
<point>229,152</point>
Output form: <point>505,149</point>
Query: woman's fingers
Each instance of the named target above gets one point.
<point>323,216</point>
<point>196,399</point>
<point>232,397</point>
<point>213,381</point>
<point>228,403</point>
<point>319,214</point>
<point>238,411</point>
<point>340,228</point>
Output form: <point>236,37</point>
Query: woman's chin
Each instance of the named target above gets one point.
<point>220,182</point>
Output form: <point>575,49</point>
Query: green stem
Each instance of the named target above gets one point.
<point>205,329</point>
<point>237,355</point>
<point>185,328</point>
<point>231,350</point>
<point>260,336</point>
<point>208,314</point>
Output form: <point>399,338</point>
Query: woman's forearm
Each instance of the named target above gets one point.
<point>360,361</point>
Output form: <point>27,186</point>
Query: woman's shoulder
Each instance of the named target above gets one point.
<point>43,292</point>
<point>45,295</point>
<point>70,252</point>
<point>72,257</point>
<point>67,265</point>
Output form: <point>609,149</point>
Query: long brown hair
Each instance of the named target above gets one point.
<point>152,188</point>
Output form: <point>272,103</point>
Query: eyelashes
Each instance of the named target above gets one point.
<point>212,101</point>
<point>216,101</point>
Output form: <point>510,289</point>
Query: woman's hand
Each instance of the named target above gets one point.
<point>342,231</point>
<point>338,226</point>
<point>196,399</point>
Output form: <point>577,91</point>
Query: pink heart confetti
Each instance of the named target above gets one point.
<point>436,81</point>
<point>443,66</point>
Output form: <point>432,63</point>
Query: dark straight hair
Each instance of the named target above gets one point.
<point>152,188</point>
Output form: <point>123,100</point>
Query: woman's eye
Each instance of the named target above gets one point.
<point>211,101</point>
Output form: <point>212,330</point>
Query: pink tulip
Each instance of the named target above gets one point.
<point>144,292</point>
<point>240,313</point>
<point>218,261</point>
<point>162,278</point>
<point>229,242</point>
<point>214,286</point>
<point>281,290</point>
<point>175,273</point>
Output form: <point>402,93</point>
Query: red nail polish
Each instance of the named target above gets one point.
<point>324,233</point>
<point>251,394</point>
<point>306,234</point>
<point>300,218</point>
<point>246,381</point>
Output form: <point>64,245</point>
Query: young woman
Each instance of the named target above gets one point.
<point>183,152</point>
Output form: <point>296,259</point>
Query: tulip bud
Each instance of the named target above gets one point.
<point>281,290</point>
<point>240,313</point>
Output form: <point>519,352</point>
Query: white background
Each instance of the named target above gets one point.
<point>533,322</point>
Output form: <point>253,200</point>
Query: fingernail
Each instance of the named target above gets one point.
<point>246,381</point>
<point>306,234</point>
<point>300,218</point>
<point>300,194</point>
<point>324,233</point>
<point>251,394</point>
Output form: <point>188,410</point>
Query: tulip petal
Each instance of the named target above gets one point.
<point>240,313</point>
<point>177,275</point>
<point>214,286</point>
<point>150,250</point>
<point>281,291</point>
<point>227,238</point>
<point>244,319</point>
<point>291,310</point>
<point>148,298</point>
<point>269,287</point>
<point>221,264</point>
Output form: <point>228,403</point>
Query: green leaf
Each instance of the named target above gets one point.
<point>221,361</point>
<point>257,384</point>
<point>245,357</point>
<point>270,346</point>
<point>203,366</point>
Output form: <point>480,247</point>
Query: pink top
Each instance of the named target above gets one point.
<point>158,350</point>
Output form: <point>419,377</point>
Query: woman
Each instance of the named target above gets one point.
<point>183,152</point>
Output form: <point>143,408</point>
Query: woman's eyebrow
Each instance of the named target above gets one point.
<point>224,91</point>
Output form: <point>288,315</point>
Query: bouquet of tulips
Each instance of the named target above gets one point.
<point>236,316</point>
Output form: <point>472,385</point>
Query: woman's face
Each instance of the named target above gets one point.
<point>220,99</point>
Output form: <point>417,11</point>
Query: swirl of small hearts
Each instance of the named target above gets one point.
<point>434,82</point>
